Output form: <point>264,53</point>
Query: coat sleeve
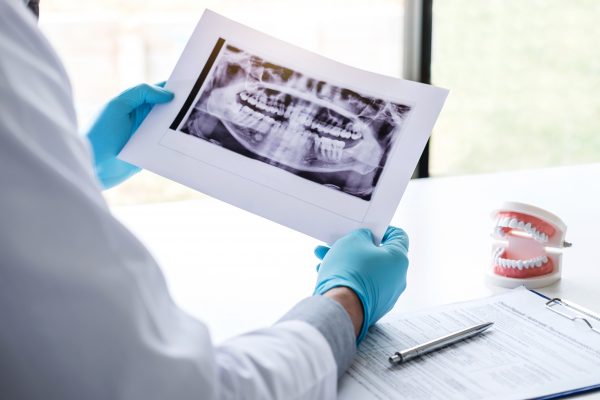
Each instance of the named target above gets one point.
<point>86,313</point>
<point>241,359</point>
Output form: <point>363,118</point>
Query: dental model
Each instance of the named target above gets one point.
<point>527,246</point>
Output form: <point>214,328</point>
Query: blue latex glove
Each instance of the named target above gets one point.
<point>377,274</point>
<point>117,122</point>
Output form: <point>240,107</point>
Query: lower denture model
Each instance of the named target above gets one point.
<point>527,246</point>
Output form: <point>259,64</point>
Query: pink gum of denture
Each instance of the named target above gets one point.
<point>526,249</point>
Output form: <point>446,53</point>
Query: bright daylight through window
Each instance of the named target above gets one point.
<point>524,78</point>
<point>109,45</point>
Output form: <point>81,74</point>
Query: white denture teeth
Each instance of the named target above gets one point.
<point>520,264</point>
<point>244,96</point>
<point>335,132</point>
<point>514,223</point>
<point>355,135</point>
<point>540,237</point>
<point>252,100</point>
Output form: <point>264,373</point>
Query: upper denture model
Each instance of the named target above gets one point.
<point>527,246</point>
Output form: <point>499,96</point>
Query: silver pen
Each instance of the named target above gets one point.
<point>427,347</point>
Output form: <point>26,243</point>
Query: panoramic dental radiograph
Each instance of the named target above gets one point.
<point>330,135</point>
<point>527,246</point>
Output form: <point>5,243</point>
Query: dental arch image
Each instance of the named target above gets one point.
<point>327,134</point>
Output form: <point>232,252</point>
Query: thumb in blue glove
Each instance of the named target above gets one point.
<point>377,274</point>
<point>114,126</point>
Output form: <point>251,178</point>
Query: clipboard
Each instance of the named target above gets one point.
<point>532,334</point>
<point>573,312</point>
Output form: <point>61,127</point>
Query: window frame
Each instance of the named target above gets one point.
<point>418,32</point>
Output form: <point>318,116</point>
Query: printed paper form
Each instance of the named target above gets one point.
<point>529,352</point>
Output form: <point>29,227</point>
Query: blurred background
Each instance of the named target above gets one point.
<point>524,76</point>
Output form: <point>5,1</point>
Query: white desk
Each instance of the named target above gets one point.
<point>237,271</point>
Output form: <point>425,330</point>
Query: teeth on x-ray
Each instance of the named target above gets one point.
<point>322,132</point>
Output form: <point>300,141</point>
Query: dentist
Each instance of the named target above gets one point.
<point>84,309</point>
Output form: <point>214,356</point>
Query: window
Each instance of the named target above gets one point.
<point>109,45</point>
<point>524,80</point>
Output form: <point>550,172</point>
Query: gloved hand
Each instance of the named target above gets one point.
<point>117,122</point>
<point>377,274</point>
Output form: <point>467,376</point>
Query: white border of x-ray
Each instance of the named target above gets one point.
<point>266,190</point>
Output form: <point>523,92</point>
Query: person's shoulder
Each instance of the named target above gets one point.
<point>14,13</point>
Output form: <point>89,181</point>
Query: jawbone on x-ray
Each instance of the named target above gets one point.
<point>321,132</point>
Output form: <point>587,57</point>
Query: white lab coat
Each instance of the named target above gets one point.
<point>84,309</point>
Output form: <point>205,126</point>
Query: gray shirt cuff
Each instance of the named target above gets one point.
<point>332,320</point>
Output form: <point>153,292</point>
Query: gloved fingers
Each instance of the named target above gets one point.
<point>114,171</point>
<point>161,84</point>
<point>362,234</point>
<point>144,94</point>
<point>321,251</point>
<point>395,239</point>
<point>153,94</point>
<point>139,115</point>
<point>318,267</point>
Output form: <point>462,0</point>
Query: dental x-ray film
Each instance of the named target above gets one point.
<point>313,129</point>
<point>305,141</point>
